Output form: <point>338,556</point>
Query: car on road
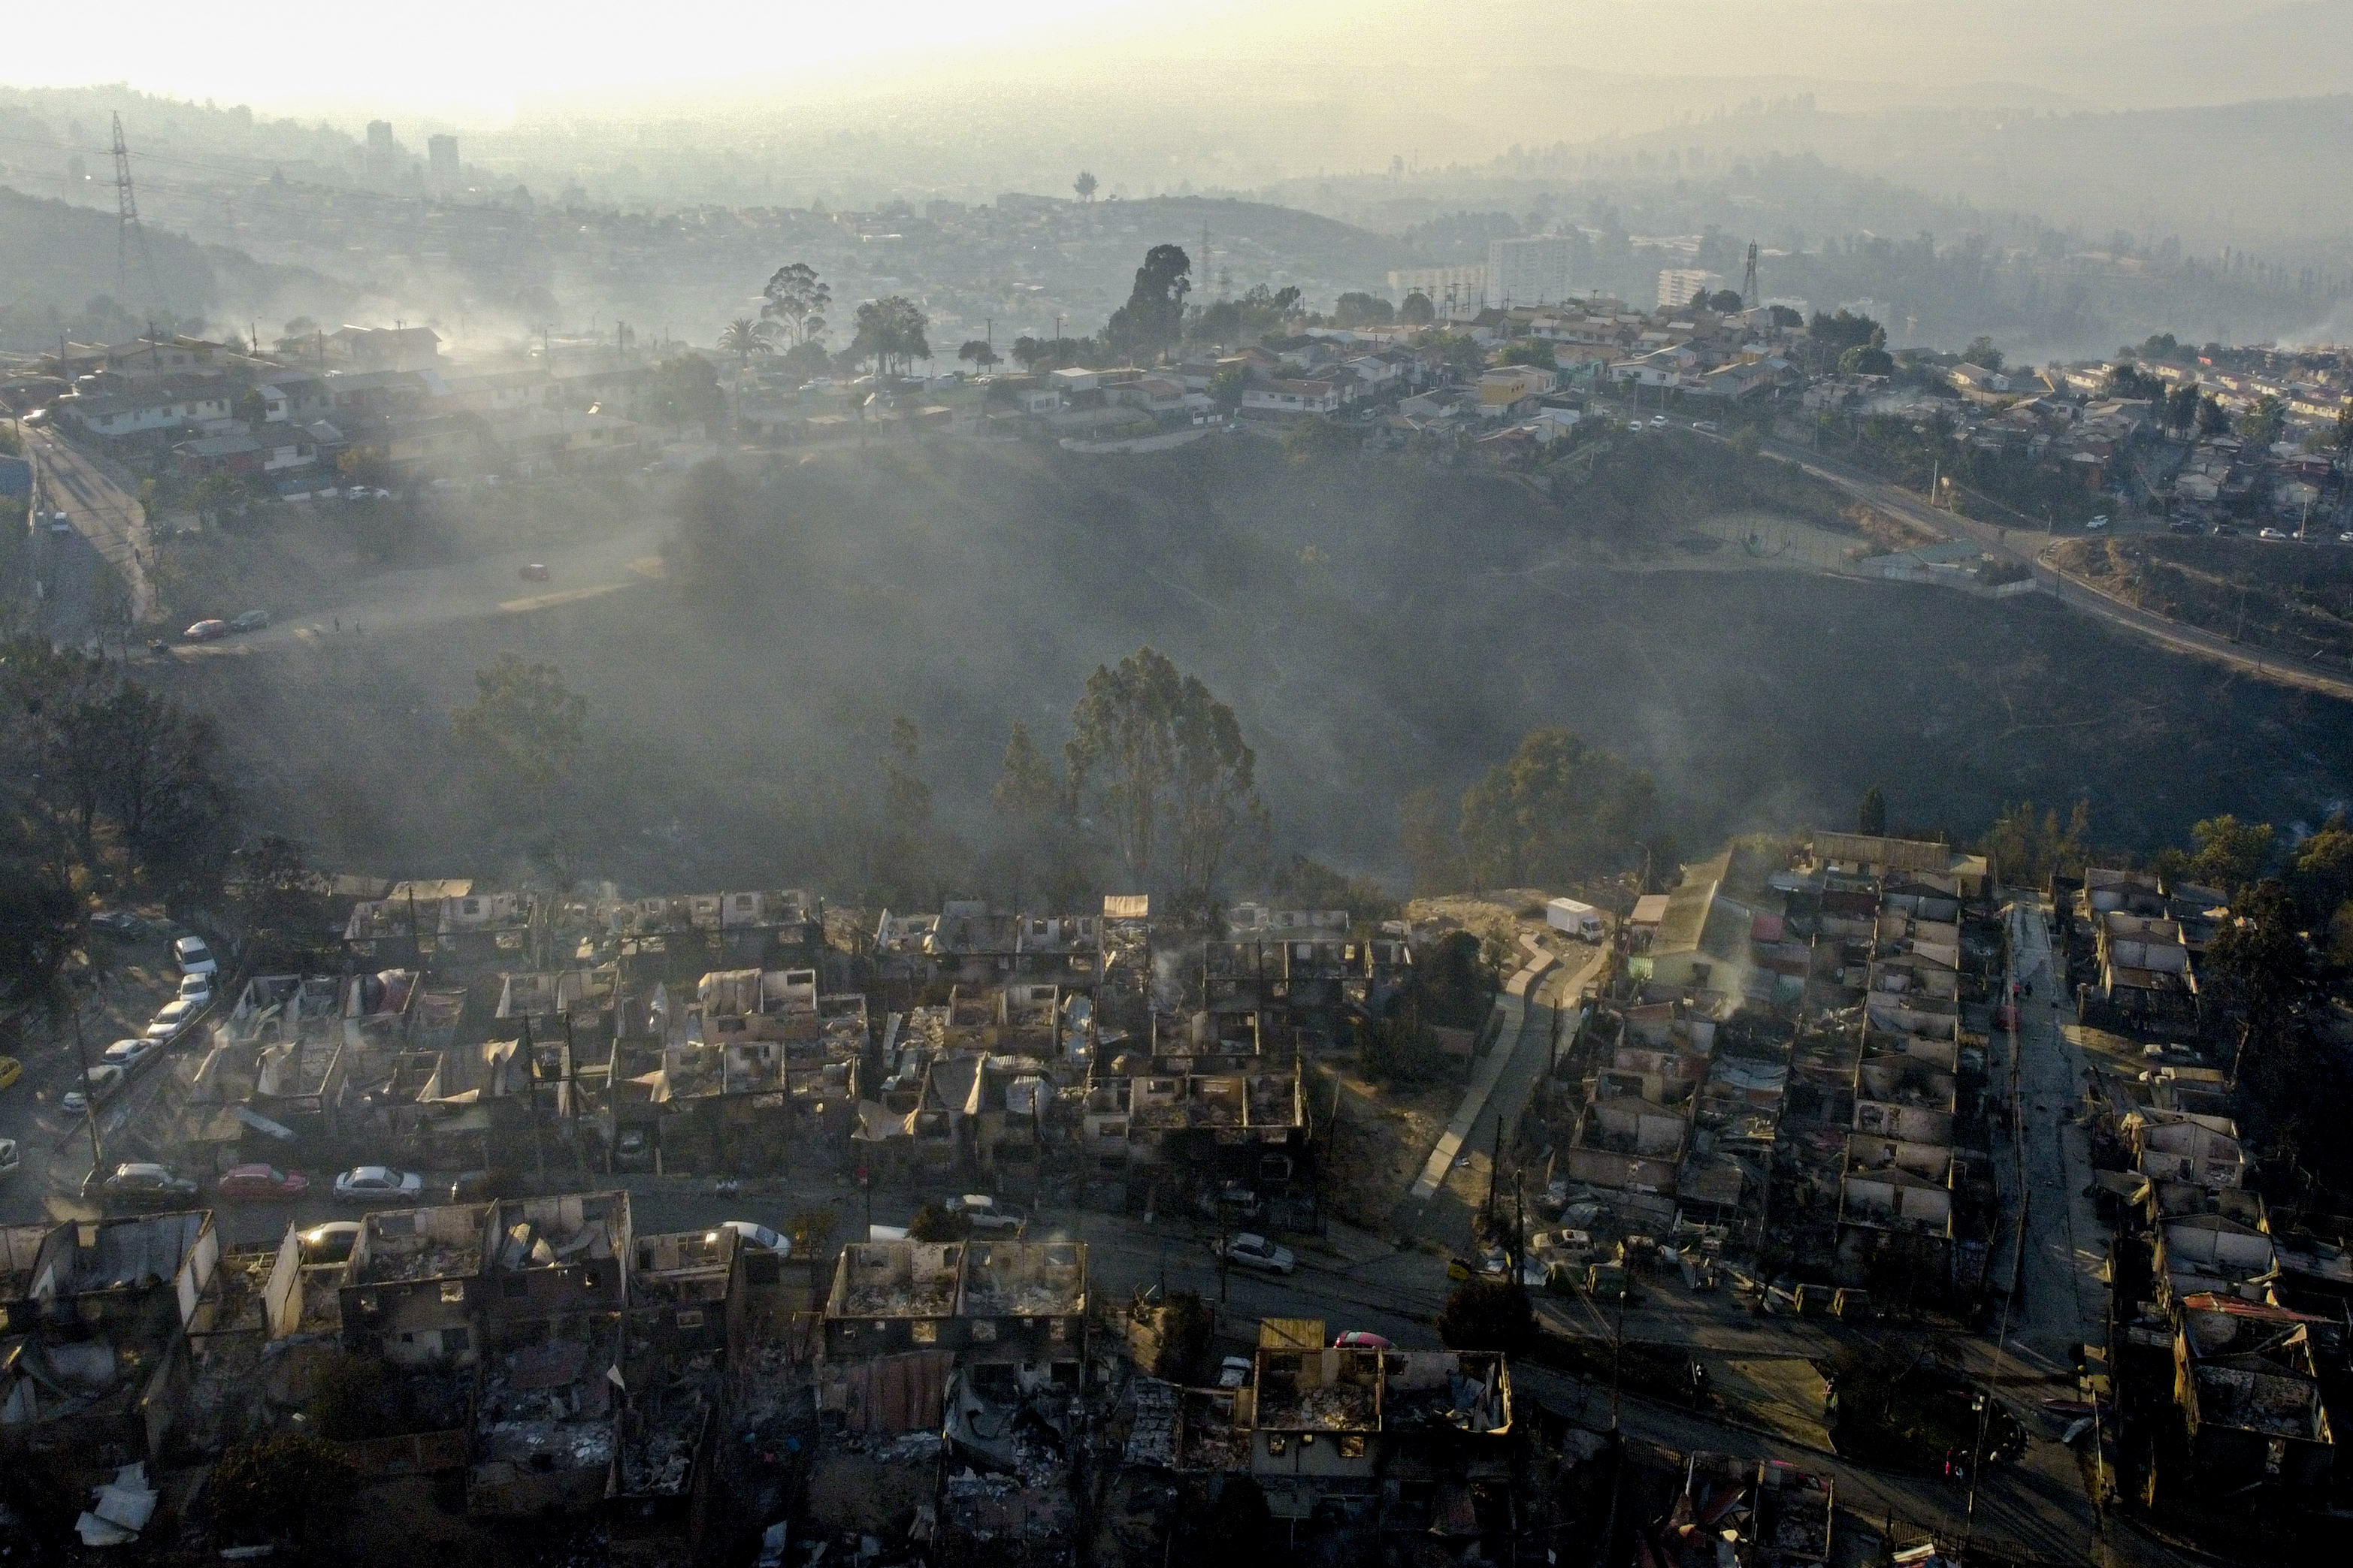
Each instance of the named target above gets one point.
<point>251,621</point>
<point>100,1082</point>
<point>2346,538</point>
<point>129,1054</point>
<point>758,1237</point>
<point>2273,534</point>
<point>193,956</point>
<point>2098,522</point>
<point>984,1213</point>
<point>206,631</point>
<point>1657,421</point>
<point>261,1182</point>
<point>139,1183</point>
<point>330,1243</point>
<point>1359,1339</point>
<point>536,571</point>
<point>197,989</point>
<point>171,1018</point>
<point>1635,427</point>
<point>11,1070</point>
<point>2181,525</point>
<point>2225,530</point>
<point>377,1183</point>
<point>1244,1250</point>
<point>9,1162</point>
<point>1707,425</point>
<point>1234,1372</point>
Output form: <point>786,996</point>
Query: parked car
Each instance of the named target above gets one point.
<point>1359,1339</point>
<point>193,956</point>
<point>759,1237</point>
<point>471,1187</point>
<point>261,1182</point>
<point>116,923</point>
<point>985,1212</point>
<point>11,1070</point>
<point>534,572</point>
<point>8,1159</point>
<point>129,1054</point>
<point>1230,1200</point>
<point>139,1183</point>
<point>206,631</point>
<point>101,1081</point>
<point>2098,522</point>
<point>1234,1372</point>
<point>330,1243</point>
<point>171,1018</point>
<point>251,621</point>
<point>377,1183</point>
<point>2273,534</point>
<point>1707,425</point>
<point>1244,1250</point>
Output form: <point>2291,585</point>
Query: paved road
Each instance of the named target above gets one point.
<point>2069,590</point>
<point>2066,1302</point>
<point>104,508</point>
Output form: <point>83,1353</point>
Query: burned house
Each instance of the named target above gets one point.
<point>2145,978</point>
<point>412,1295</point>
<point>555,1256</point>
<point>2249,1392</point>
<point>94,1345</point>
<point>761,1072</point>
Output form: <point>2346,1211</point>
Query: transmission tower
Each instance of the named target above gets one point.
<point>127,224</point>
<point>1748,278</point>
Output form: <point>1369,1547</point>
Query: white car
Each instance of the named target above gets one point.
<point>197,989</point>
<point>982,1213</point>
<point>758,1237</point>
<point>100,1083</point>
<point>330,1243</point>
<point>171,1018</point>
<point>9,1160</point>
<point>195,957</point>
<point>2275,534</point>
<point>377,1183</point>
<point>1244,1250</point>
<point>128,1054</point>
<point>1234,1372</point>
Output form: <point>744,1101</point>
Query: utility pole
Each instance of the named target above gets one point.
<point>89,1107</point>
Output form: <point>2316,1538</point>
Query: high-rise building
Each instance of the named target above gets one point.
<point>442,163</point>
<point>1529,269</point>
<point>383,152</point>
<point>1679,286</point>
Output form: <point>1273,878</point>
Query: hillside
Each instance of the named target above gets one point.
<point>2290,599</point>
<point>1378,631</point>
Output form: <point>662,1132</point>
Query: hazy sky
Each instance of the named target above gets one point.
<point>488,55</point>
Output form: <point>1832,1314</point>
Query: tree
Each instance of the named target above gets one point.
<point>2213,419</point>
<point>1871,816</point>
<point>1417,310</point>
<point>891,333</point>
<point>1532,352</point>
<point>1302,883</point>
<point>2264,423</point>
<point>977,352</point>
<point>2322,874</point>
<point>1982,354</point>
<point>1227,386</point>
<point>2260,957</point>
<point>524,724</point>
<point>2128,381</point>
<point>281,1485</point>
<point>795,297</point>
<point>742,339</point>
<point>936,1223</point>
<point>1357,309</point>
<point>1033,806</point>
<point>2024,847</point>
<point>1085,184</point>
<point>1317,438</point>
<point>280,897</point>
<point>2181,408</point>
<point>1154,315</point>
<point>1557,810</point>
<point>1488,1315</point>
<point>2341,436</point>
<point>1426,835</point>
<point>1163,762</point>
<point>1866,359</point>
<point>2230,854</point>
<point>901,863</point>
<point>1724,302</point>
<point>686,391</point>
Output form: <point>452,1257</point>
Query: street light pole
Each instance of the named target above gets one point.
<point>89,1093</point>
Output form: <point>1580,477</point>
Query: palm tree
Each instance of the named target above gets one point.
<point>744,338</point>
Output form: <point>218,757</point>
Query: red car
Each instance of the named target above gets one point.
<point>534,572</point>
<point>205,631</point>
<point>262,1182</point>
